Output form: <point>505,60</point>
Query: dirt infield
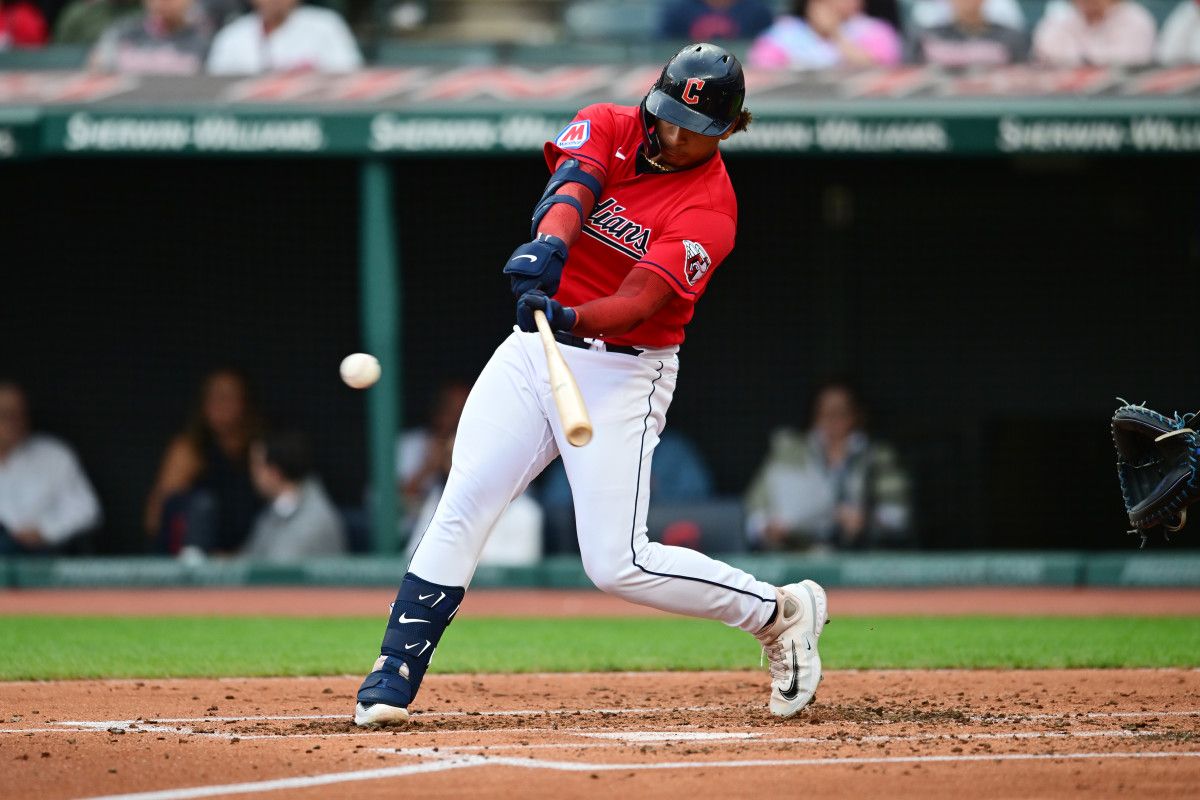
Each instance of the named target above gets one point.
<point>899,734</point>
<point>1040,601</point>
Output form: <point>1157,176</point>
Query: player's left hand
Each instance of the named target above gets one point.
<point>559,316</point>
<point>537,265</point>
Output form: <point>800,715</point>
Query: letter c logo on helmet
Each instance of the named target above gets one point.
<point>701,89</point>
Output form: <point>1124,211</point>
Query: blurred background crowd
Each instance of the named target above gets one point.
<point>239,37</point>
<point>231,484</point>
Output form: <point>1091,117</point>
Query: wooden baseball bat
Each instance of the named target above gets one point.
<point>576,424</point>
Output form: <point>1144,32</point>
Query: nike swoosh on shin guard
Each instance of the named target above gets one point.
<point>432,607</point>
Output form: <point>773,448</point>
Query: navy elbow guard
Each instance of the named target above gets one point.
<point>568,172</point>
<point>537,265</point>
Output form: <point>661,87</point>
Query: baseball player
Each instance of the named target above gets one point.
<point>638,213</point>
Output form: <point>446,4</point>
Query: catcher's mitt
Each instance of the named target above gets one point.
<point>1157,464</point>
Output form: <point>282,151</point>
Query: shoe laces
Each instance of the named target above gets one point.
<point>776,651</point>
<point>776,655</point>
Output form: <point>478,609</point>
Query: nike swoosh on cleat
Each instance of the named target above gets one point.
<point>403,620</point>
<point>793,688</point>
<point>531,258</point>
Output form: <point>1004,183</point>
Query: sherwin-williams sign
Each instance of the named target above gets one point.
<point>498,110</point>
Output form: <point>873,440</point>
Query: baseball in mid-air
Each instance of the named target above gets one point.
<point>360,370</point>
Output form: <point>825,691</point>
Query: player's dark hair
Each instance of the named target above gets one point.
<point>290,453</point>
<point>744,118</point>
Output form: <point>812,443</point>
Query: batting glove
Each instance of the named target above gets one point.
<point>559,316</point>
<point>537,265</point>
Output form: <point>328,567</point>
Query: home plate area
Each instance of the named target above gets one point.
<point>914,734</point>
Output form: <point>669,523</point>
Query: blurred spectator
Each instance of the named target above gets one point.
<point>709,20</point>
<point>203,497</point>
<point>678,474</point>
<point>1179,42</point>
<point>83,21</point>
<point>45,498</point>
<point>422,453</point>
<point>282,36</point>
<point>826,33</point>
<point>21,25</point>
<point>968,39</point>
<point>1095,33</point>
<point>171,38</point>
<point>829,487</point>
<point>300,521</point>
<point>932,13</point>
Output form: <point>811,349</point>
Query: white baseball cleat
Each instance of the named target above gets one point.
<point>378,714</point>
<point>790,643</point>
<point>378,687</point>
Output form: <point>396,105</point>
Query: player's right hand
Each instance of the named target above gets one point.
<point>559,317</point>
<point>537,265</point>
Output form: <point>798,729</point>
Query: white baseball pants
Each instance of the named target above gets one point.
<point>509,432</point>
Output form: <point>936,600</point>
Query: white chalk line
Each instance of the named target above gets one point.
<point>523,712</point>
<point>577,766</point>
<point>622,738</point>
<point>364,732</point>
<point>1089,715</point>
<point>461,762</point>
<point>300,782</point>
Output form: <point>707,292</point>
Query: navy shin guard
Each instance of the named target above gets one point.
<point>419,617</point>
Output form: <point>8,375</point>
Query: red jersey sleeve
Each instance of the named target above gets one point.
<point>689,251</point>
<point>589,137</point>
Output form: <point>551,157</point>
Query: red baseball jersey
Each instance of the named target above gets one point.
<point>679,225</point>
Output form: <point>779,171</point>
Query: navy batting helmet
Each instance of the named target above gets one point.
<point>700,89</point>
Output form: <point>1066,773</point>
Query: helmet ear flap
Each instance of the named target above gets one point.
<point>649,133</point>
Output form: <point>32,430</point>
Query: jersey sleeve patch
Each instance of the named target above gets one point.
<point>575,135</point>
<point>695,261</point>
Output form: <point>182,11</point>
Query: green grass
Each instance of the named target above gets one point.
<point>47,647</point>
